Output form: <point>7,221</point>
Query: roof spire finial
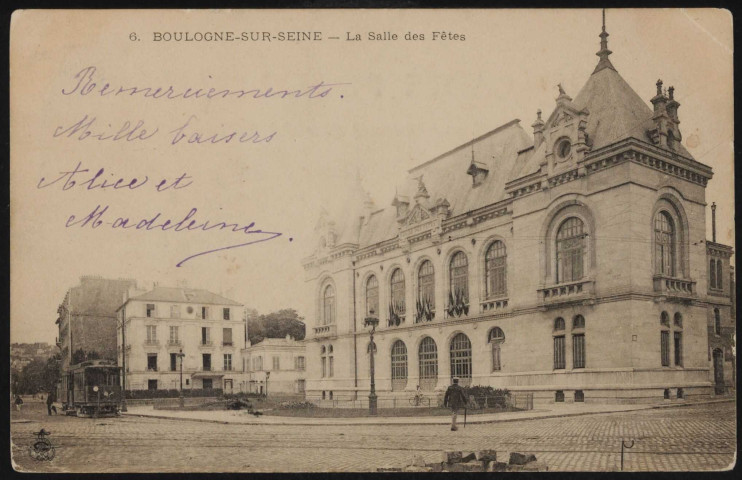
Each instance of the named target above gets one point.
<point>603,52</point>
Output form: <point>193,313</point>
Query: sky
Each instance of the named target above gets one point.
<point>401,104</point>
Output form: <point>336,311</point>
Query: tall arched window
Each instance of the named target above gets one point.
<point>570,250</point>
<point>496,338</point>
<point>372,296</point>
<point>665,339</point>
<point>719,276</point>
<point>559,346</point>
<point>712,273</point>
<point>578,342</point>
<point>458,274</point>
<point>461,359</point>
<point>677,335</point>
<point>323,358</point>
<point>399,365</point>
<point>330,362</point>
<point>425,292</point>
<point>427,356</point>
<point>495,267</point>
<point>397,303</point>
<point>717,322</point>
<point>664,244</point>
<point>328,305</point>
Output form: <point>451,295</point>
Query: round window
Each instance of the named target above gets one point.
<point>564,148</point>
<point>189,309</point>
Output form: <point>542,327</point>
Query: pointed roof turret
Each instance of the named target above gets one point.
<point>603,53</point>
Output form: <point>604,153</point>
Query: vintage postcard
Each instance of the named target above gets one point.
<point>372,240</point>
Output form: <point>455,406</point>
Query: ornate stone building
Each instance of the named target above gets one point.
<point>569,262</point>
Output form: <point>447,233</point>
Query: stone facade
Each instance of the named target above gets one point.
<point>570,263</point>
<point>164,322</point>
<point>274,366</point>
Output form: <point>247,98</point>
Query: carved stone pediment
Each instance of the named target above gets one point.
<point>417,215</point>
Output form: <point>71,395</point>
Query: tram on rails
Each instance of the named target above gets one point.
<point>91,389</point>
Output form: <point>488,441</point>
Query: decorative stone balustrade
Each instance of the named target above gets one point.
<point>676,287</point>
<point>325,330</point>
<point>567,292</point>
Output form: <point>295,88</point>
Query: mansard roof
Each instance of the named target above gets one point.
<point>445,178</point>
<point>613,112</point>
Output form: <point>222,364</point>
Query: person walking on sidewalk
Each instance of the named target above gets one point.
<point>454,399</point>
<point>18,402</point>
<point>50,399</point>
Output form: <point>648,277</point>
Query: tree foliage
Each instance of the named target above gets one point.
<point>39,376</point>
<point>275,325</point>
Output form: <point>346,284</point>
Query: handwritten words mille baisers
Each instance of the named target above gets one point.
<point>88,127</point>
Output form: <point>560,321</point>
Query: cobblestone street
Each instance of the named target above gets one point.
<point>698,437</point>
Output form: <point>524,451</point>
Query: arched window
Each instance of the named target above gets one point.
<point>461,359</point>
<point>495,267</point>
<point>665,339</point>
<point>717,322</point>
<point>678,339</point>
<point>496,338</point>
<point>425,292</point>
<point>664,244</point>
<point>323,359</point>
<point>330,362</point>
<point>578,342</point>
<point>328,305</point>
<point>570,250</point>
<point>399,365</point>
<point>559,346</point>
<point>719,276</point>
<point>372,296</point>
<point>559,324</point>
<point>712,273</point>
<point>459,282</point>
<point>397,303</point>
<point>427,355</point>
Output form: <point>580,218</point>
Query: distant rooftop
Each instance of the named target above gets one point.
<point>184,295</point>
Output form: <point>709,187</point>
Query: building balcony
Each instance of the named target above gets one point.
<point>151,369</point>
<point>227,344</point>
<point>325,330</point>
<point>174,343</point>
<point>151,343</point>
<point>567,292</point>
<point>206,344</point>
<point>674,287</point>
<point>493,305</point>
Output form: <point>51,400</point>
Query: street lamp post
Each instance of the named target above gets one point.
<point>372,322</point>
<point>180,355</point>
<point>267,376</point>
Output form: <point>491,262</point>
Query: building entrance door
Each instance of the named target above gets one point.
<point>227,386</point>
<point>718,372</point>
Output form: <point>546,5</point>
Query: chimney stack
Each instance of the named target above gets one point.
<point>538,130</point>
<point>713,222</point>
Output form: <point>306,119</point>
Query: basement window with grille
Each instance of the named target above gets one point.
<point>579,396</point>
<point>559,396</point>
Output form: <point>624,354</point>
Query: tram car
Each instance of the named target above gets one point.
<point>91,389</point>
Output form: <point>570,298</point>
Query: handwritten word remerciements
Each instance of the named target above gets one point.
<point>85,83</point>
<point>98,217</point>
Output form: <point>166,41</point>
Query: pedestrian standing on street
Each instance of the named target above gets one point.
<point>18,402</point>
<point>50,399</point>
<point>454,399</point>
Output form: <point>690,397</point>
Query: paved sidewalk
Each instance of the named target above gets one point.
<point>552,411</point>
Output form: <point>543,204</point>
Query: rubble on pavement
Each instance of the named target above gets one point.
<point>480,461</point>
